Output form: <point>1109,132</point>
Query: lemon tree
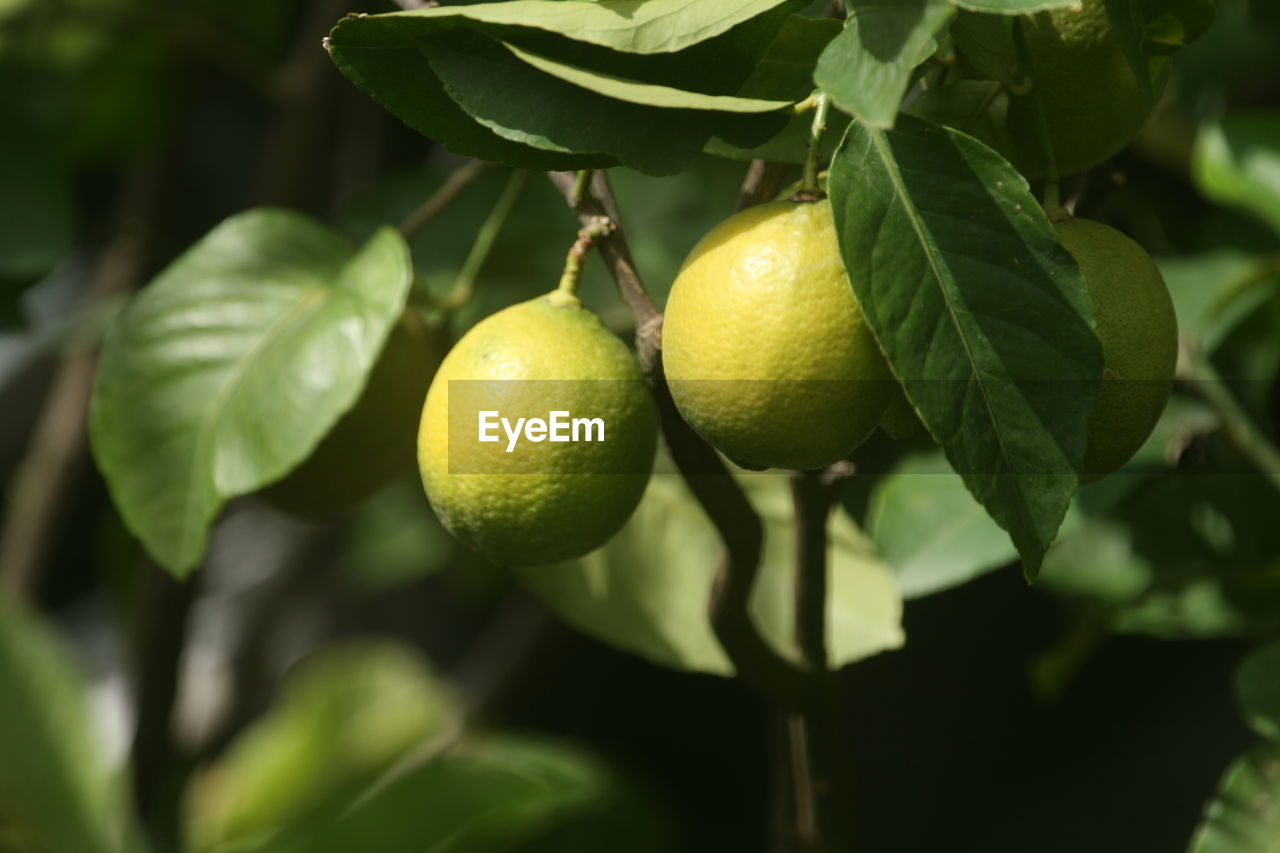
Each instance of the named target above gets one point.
<point>937,264</point>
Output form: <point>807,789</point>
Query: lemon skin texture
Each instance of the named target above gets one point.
<point>1094,103</point>
<point>375,440</point>
<point>1139,334</point>
<point>543,502</point>
<point>766,351</point>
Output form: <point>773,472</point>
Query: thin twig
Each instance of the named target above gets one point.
<point>762,181</point>
<point>58,442</point>
<point>457,181</point>
<point>714,488</point>
<point>464,287</point>
<point>1203,377</point>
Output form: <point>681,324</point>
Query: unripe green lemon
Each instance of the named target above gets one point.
<point>537,500</point>
<point>374,440</point>
<point>1139,334</point>
<point>1093,101</point>
<point>768,355</point>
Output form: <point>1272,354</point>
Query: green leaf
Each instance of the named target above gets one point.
<point>228,369</point>
<point>981,313</point>
<point>1128,29</point>
<point>967,106</point>
<point>499,793</point>
<point>865,70</point>
<point>1244,815</point>
<point>342,719</point>
<point>1237,162</point>
<point>637,92</point>
<point>985,48</point>
<point>1175,23</point>
<point>930,530</point>
<point>631,26</point>
<point>1215,291</point>
<point>647,590</point>
<point>1015,7</point>
<point>1258,688</point>
<point>528,106</point>
<point>785,71</point>
<point>400,79</point>
<point>56,789</point>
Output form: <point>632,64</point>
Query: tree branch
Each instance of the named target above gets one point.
<point>718,493</point>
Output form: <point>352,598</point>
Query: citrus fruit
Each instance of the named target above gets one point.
<point>900,419</point>
<point>374,440</point>
<point>765,348</point>
<point>527,497</point>
<point>1094,103</point>
<point>1139,334</point>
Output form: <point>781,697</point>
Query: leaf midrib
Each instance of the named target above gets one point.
<point>312,298</point>
<point>900,190</point>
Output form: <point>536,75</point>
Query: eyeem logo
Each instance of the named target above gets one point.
<point>558,427</point>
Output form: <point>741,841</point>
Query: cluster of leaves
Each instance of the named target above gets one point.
<point>364,746</point>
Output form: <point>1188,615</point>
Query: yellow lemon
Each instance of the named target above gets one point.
<point>1139,334</point>
<point>538,434</point>
<point>1093,101</point>
<point>768,355</point>
<point>374,440</point>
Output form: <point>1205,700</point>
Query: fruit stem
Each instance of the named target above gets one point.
<point>457,181</point>
<point>567,291</point>
<point>464,286</point>
<point>810,188</point>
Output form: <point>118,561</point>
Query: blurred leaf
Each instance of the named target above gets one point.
<point>342,719</point>
<point>394,538</point>
<point>499,793</point>
<point>929,529</point>
<point>1176,23</point>
<point>1237,162</point>
<point>981,313</point>
<point>1014,7</point>
<point>647,590</point>
<point>1096,562</point>
<point>1213,292</point>
<point>1244,815</point>
<point>865,70</point>
<point>56,789</point>
<point>228,369</point>
<point>1258,688</point>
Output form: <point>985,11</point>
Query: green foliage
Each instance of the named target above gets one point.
<point>926,525</point>
<point>55,784</point>
<point>1258,686</point>
<point>479,78</point>
<point>490,795</point>
<point>865,70</point>
<point>980,312</point>
<point>1237,162</point>
<point>1244,817</point>
<point>188,412</point>
<point>646,591</point>
<point>342,719</point>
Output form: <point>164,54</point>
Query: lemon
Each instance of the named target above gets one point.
<point>1093,101</point>
<point>768,355</point>
<point>534,500</point>
<point>374,440</point>
<point>1139,334</point>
